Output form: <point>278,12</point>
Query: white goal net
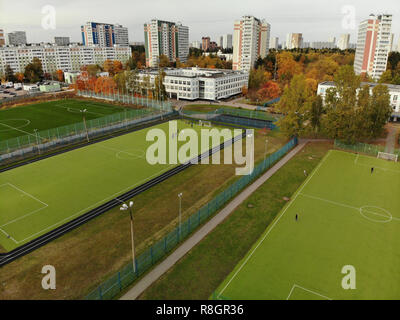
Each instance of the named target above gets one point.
<point>387,156</point>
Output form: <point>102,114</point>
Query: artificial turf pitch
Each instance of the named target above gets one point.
<point>346,216</point>
<point>43,195</point>
<point>22,120</point>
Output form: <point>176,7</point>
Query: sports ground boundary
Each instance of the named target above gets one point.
<point>6,258</point>
<point>199,235</point>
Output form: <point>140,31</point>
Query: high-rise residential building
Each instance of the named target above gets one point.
<point>220,41</point>
<point>66,58</point>
<point>121,35</point>
<point>322,45</point>
<point>274,43</point>
<point>165,38</point>
<point>344,41</point>
<point>205,43</point>
<point>2,38</point>
<point>294,40</point>
<point>373,45</point>
<point>398,45</point>
<point>250,41</point>
<point>61,41</point>
<point>16,38</point>
<point>101,34</point>
<point>332,40</point>
<point>391,42</point>
<point>195,44</point>
<point>226,41</point>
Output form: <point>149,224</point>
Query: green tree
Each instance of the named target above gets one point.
<point>316,112</point>
<point>9,74</point>
<point>295,103</point>
<point>159,89</point>
<point>341,121</point>
<point>34,71</point>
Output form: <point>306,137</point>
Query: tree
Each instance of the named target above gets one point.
<point>34,71</point>
<point>120,80</point>
<point>105,85</point>
<point>379,110</point>
<point>9,74</point>
<point>159,89</point>
<point>60,75</point>
<point>269,90</point>
<point>257,77</point>
<point>19,76</point>
<point>295,103</point>
<point>386,77</point>
<point>316,113</point>
<point>287,67</point>
<point>163,61</point>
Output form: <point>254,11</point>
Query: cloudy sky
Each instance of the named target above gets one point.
<point>316,19</point>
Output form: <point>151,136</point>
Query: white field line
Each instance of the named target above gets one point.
<point>376,167</point>
<point>77,111</point>
<point>6,125</point>
<point>122,151</point>
<point>348,206</point>
<point>95,204</point>
<point>308,290</point>
<point>275,222</point>
<point>8,236</point>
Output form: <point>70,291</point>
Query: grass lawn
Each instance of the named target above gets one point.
<point>58,189</point>
<point>22,120</point>
<point>347,216</point>
<point>203,269</point>
<point>91,253</point>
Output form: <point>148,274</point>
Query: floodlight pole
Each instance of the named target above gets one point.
<point>180,213</point>
<point>133,241</point>
<point>125,207</point>
<point>84,123</point>
<point>37,140</point>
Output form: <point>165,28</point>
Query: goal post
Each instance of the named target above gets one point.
<point>387,156</point>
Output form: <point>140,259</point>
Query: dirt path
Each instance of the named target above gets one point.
<point>391,138</point>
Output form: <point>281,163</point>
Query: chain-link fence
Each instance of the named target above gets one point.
<point>370,149</point>
<point>40,142</point>
<point>126,276</point>
<point>129,99</point>
<point>252,114</point>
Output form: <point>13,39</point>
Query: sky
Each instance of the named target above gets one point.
<point>317,20</point>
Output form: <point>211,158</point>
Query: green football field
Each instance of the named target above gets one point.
<point>43,195</point>
<point>346,217</point>
<point>20,121</point>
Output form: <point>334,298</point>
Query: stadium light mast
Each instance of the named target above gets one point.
<point>180,212</point>
<point>83,111</point>
<point>125,207</point>
<point>37,139</point>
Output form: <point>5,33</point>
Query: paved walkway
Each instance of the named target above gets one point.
<point>199,235</point>
<point>391,138</point>
<point>231,103</point>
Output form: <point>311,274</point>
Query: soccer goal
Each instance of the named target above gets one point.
<point>388,156</point>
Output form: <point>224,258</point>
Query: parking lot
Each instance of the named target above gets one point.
<point>11,92</point>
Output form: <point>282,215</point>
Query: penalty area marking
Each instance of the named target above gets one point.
<point>357,163</point>
<point>307,290</point>
<point>275,222</point>
<point>27,123</point>
<point>45,205</point>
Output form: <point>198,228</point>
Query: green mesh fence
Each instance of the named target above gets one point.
<point>252,114</point>
<point>126,276</point>
<point>42,141</point>
<point>370,149</point>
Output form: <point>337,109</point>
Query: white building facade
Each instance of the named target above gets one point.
<point>250,41</point>
<point>198,83</point>
<point>121,35</point>
<point>66,58</point>
<point>373,43</point>
<point>344,41</point>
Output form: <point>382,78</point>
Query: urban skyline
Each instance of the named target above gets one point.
<point>296,18</point>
